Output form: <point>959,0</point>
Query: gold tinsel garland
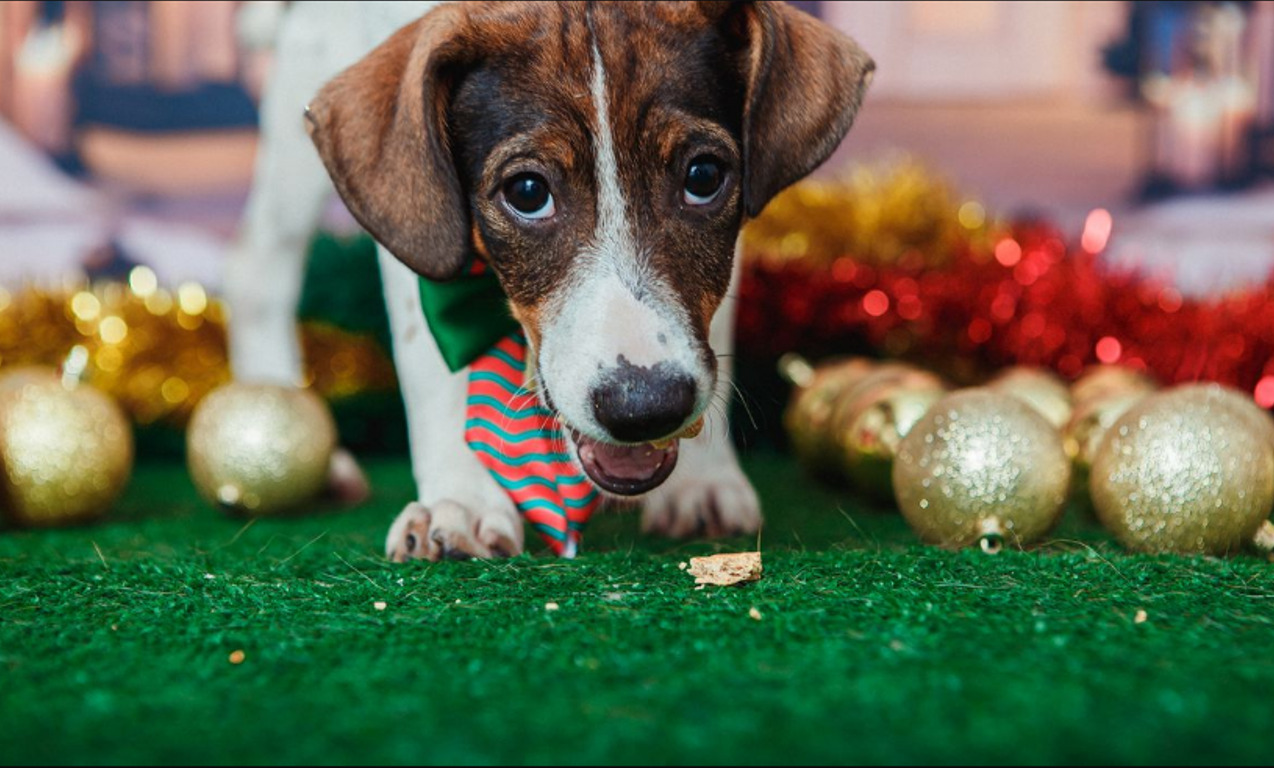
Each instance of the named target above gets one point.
<point>890,213</point>
<point>159,352</point>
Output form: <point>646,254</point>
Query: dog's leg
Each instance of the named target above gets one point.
<point>266,266</point>
<point>708,493</point>
<point>460,511</point>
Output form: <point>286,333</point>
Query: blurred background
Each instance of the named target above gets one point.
<point>130,126</point>
<point>128,133</point>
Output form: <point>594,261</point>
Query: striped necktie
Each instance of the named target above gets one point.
<point>521,444</point>
<point>518,440</point>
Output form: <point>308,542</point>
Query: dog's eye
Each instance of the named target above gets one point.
<point>529,197</point>
<point>704,178</point>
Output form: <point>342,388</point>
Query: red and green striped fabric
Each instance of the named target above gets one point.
<point>521,443</point>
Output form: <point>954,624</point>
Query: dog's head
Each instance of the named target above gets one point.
<point>601,158</point>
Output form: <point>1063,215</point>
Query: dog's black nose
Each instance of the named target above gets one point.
<point>636,404</point>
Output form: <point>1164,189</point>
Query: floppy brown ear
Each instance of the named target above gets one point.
<point>380,127</point>
<point>804,84</point>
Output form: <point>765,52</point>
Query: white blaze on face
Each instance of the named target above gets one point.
<point>611,305</point>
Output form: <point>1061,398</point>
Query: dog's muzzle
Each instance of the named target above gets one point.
<point>626,470</point>
<point>644,411</point>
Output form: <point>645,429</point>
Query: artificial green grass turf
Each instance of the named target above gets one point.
<point>114,644</point>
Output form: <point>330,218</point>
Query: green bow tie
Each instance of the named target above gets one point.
<point>467,315</point>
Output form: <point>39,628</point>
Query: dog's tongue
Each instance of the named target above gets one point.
<point>626,470</point>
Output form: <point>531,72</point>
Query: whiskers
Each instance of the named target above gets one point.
<point>517,403</point>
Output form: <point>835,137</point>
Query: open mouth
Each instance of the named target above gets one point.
<point>626,470</point>
<point>621,469</point>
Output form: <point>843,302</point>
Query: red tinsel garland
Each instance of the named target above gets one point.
<point>1030,300</point>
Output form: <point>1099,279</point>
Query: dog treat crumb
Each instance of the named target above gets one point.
<point>693,430</point>
<point>1140,618</point>
<point>236,657</point>
<point>379,605</point>
<point>551,606</point>
<point>754,613</point>
<point>727,569</point>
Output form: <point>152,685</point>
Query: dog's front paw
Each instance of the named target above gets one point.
<point>451,531</point>
<point>718,502</point>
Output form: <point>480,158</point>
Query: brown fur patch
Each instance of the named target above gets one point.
<point>421,136</point>
<point>529,317</point>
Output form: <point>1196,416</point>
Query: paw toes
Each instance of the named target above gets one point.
<point>501,536</point>
<point>654,521</point>
<point>713,510</point>
<point>449,550</point>
<point>688,519</point>
<point>409,535</point>
<point>715,520</point>
<point>740,511</point>
<point>450,531</point>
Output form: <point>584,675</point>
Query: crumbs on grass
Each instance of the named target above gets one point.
<point>725,570</point>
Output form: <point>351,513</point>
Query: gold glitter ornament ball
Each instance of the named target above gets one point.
<point>66,451</point>
<point>15,378</point>
<point>1090,424</point>
<point>1238,401</point>
<point>1185,470</point>
<point>260,449</point>
<point>981,468</point>
<point>1099,382</point>
<point>870,426</point>
<point>814,398</point>
<point>1039,388</point>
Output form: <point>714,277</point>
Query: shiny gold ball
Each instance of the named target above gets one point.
<point>1099,382</point>
<point>66,451</point>
<point>1186,471</point>
<point>1084,433</point>
<point>260,449</point>
<point>1090,423</point>
<point>981,468</point>
<point>1242,403</point>
<point>870,426</point>
<point>1039,388</point>
<point>810,410</point>
<point>16,378</point>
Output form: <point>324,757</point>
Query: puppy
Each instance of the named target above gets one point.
<point>599,158</point>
